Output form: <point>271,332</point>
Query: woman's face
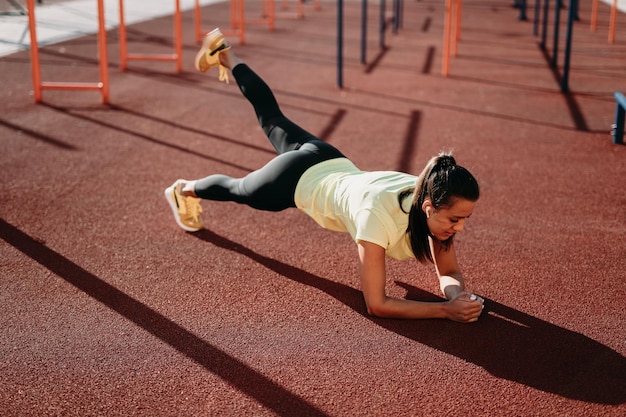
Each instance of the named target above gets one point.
<point>444,222</point>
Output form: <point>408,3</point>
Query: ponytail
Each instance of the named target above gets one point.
<point>441,181</point>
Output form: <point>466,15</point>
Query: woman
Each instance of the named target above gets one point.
<point>387,213</point>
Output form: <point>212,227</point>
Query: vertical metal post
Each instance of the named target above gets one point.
<point>555,45</point>
<point>594,16</point>
<point>522,10</point>
<point>178,37</point>
<point>122,38</point>
<point>197,21</point>
<point>536,17</point>
<point>396,16</point>
<point>571,16</point>
<point>456,26</point>
<point>340,43</point>
<point>612,22</point>
<point>383,24</point>
<point>447,29</point>
<point>544,26</point>
<point>103,57</point>
<point>618,127</point>
<point>363,31</point>
<point>34,52</point>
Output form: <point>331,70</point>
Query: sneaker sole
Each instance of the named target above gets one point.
<point>206,41</point>
<point>172,202</point>
<point>200,54</point>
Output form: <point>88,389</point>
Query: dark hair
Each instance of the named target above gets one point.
<point>442,181</point>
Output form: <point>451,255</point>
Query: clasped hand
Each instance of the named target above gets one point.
<point>465,307</point>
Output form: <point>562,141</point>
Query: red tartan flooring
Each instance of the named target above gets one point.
<point>109,309</point>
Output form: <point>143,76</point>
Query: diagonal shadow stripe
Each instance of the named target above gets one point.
<point>505,342</point>
<point>376,61</point>
<point>234,372</point>
<point>428,60</point>
<point>189,129</point>
<point>332,124</point>
<point>45,138</point>
<point>410,142</point>
<point>570,100</point>
<point>145,137</point>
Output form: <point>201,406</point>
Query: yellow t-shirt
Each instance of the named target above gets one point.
<point>341,197</point>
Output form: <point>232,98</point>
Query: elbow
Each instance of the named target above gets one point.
<point>377,309</point>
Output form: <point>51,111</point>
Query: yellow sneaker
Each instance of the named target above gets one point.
<point>208,56</point>
<point>187,210</point>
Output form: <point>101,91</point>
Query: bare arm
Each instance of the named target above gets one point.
<point>373,279</point>
<point>448,271</point>
<point>451,281</point>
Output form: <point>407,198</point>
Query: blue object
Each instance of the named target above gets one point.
<point>617,130</point>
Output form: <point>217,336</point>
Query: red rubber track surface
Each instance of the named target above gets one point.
<point>108,308</point>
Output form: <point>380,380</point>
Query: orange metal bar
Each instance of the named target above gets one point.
<point>51,85</point>
<point>594,15</point>
<point>269,16</point>
<point>234,13</point>
<point>38,85</point>
<point>34,51</point>
<point>197,20</point>
<point>177,56</point>
<point>299,13</point>
<point>457,26</point>
<point>446,38</point>
<point>103,54</point>
<point>122,38</point>
<point>237,21</point>
<point>612,22</point>
<point>178,37</point>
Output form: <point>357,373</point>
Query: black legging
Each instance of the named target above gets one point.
<point>272,187</point>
